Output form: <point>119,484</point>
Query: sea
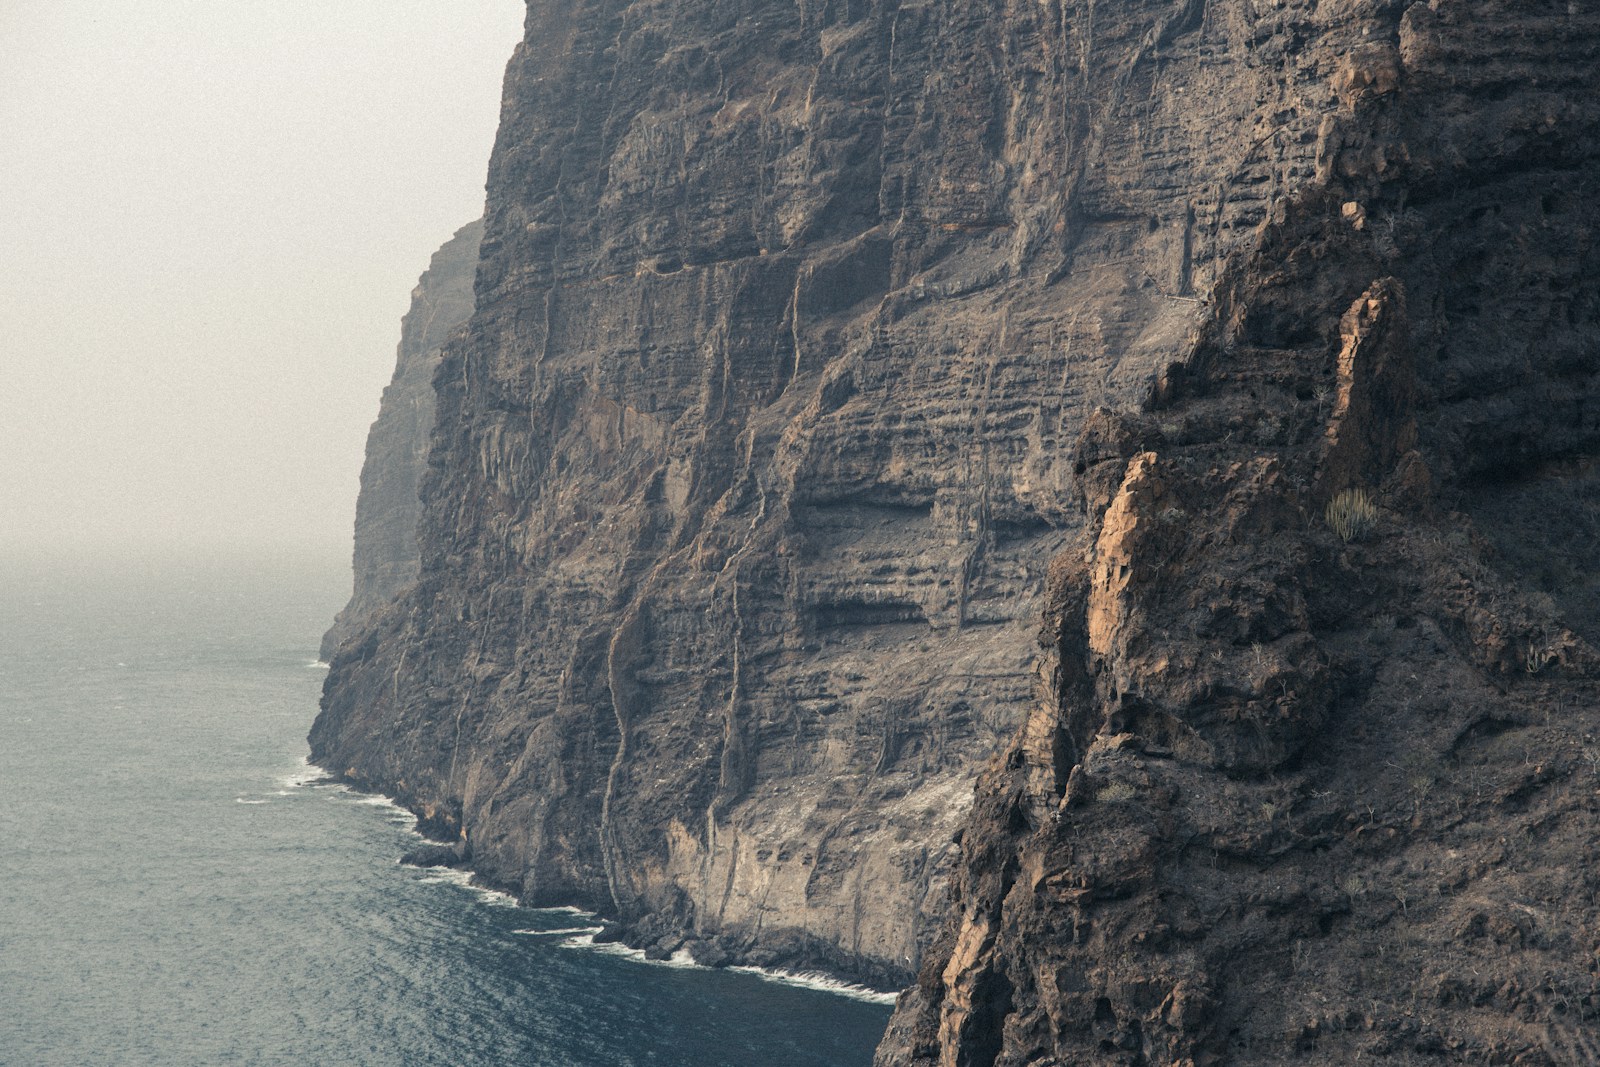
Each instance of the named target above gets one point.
<point>181,888</point>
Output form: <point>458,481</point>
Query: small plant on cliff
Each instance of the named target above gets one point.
<point>1592,754</point>
<point>1352,515</point>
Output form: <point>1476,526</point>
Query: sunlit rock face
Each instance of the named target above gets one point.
<point>807,336</point>
<point>388,507</point>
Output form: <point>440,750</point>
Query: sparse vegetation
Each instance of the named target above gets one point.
<point>1352,514</point>
<point>1538,656</point>
<point>1114,792</point>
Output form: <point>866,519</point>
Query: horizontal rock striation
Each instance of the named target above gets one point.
<point>1299,797</point>
<point>750,462</point>
<point>388,508</point>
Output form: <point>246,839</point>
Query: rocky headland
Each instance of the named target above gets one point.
<point>386,557</point>
<point>822,350</point>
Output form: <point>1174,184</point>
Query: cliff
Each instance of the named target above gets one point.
<point>808,335</point>
<point>751,461</point>
<point>386,558</point>
<point>1316,779</point>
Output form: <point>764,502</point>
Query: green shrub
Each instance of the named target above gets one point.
<point>1352,515</point>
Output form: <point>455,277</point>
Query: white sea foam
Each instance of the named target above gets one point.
<point>392,809</point>
<point>243,800</point>
<point>444,876</point>
<point>398,816</point>
<point>814,980</point>
<point>308,774</point>
<point>608,948</point>
<point>493,897</point>
<point>679,959</point>
<point>456,876</point>
<point>824,982</point>
<point>565,931</point>
<point>317,664</point>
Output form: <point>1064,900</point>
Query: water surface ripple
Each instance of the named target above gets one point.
<point>177,895</point>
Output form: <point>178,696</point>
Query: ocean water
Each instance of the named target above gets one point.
<point>175,893</point>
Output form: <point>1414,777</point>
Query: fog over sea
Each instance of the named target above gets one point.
<point>179,893</point>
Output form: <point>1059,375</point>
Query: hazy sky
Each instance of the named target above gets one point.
<point>211,218</point>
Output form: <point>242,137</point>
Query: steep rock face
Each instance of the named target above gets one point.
<point>386,557</point>
<point>750,463</point>
<point>1292,798</point>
